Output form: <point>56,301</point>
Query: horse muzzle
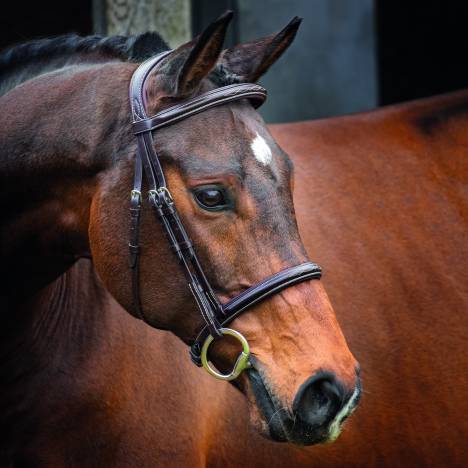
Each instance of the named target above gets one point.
<point>317,413</point>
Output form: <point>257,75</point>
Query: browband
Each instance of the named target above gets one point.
<point>215,314</point>
<point>256,95</point>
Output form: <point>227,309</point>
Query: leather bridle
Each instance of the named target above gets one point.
<point>215,315</point>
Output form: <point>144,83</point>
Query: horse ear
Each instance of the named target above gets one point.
<point>251,60</point>
<point>192,61</point>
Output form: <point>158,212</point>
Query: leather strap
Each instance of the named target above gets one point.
<point>255,294</point>
<point>165,210</point>
<point>134,244</point>
<point>255,93</point>
<point>215,314</point>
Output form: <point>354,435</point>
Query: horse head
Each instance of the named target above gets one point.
<point>232,186</point>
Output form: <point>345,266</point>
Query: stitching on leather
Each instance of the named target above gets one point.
<point>137,85</point>
<point>193,107</point>
<point>315,273</point>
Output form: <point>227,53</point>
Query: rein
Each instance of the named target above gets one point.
<point>215,315</point>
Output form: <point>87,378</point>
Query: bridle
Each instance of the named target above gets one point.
<point>215,315</point>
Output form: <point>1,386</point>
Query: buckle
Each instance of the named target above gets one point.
<point>242,361</point>
<point>161,196</point>
<point>135,193</point>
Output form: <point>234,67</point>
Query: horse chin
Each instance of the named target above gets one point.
<point>275,422</point>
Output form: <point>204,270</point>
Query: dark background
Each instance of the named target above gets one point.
<point>418,48</point>
<point>422,48</point>
<point>20,21</point>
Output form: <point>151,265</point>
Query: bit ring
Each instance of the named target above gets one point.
<point>242,361</point>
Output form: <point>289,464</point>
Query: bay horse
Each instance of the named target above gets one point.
<point>389,204</point>
<point>387,215</point>
<point>83,382</point>
<point>381,203</point>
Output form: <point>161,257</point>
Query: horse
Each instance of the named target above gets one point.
<point>380,201</point>
<point>390,223</point>
<point>387,217</point>
<point>84,382</point>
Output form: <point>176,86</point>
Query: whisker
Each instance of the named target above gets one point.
<point>276,412</point>
<point>294,422</point>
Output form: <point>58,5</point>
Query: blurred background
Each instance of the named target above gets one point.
<point>349,55</point>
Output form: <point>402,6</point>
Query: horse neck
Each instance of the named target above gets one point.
<point>31,69</point>
<point>61,137</point>
<point>31,59</point>
<point>63,316</point>
<point>56,145</point>
<point>46,338</point>
<point>58,135</point>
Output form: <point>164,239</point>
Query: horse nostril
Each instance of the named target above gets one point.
<point>319,399</point>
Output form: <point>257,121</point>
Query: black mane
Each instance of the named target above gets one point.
<point>30,59</point>
<point>24,61</point>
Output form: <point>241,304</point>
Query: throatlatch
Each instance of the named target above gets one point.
<point>215,314</point>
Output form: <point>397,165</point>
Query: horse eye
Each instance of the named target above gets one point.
<point>212,198</point>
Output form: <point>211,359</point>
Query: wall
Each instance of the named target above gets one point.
<point>330,69</point>
<point>171,18</point>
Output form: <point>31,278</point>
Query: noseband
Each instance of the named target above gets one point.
<point>215,315</point>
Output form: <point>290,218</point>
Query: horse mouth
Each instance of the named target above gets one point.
<point>284,426</point>
<point>267,407</point>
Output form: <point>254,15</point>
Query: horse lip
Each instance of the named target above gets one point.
<point>267,406</point>
<point>282,428</point>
